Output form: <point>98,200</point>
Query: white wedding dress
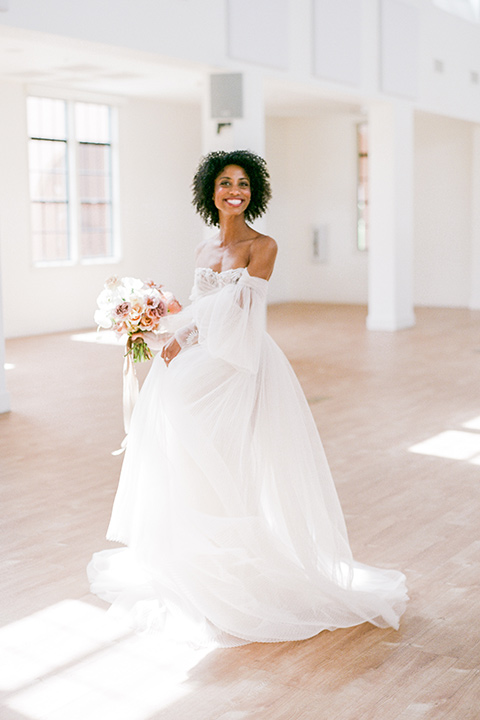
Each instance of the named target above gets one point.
<point>226,504</point>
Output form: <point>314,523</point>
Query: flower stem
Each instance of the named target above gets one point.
<point>139,349</point>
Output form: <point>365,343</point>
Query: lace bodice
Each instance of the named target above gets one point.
<point>208,280</point>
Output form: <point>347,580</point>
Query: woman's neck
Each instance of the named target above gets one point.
<point>233,230</point>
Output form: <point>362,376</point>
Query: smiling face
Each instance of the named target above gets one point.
<point>232,190</point>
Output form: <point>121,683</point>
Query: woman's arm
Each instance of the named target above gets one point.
<point>183,337</point>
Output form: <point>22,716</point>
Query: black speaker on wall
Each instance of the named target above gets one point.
<point>226,96</point>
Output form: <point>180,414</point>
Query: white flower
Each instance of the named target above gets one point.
<point>105,299</point>
<point>132,285</point>
<point>103,319</point>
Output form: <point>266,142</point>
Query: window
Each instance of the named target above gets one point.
<point>70,160</point>
<point>466,9</point>
<point>362,186</point>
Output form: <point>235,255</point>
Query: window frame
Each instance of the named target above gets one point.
<point>362,188</point>
<point>73,197</point>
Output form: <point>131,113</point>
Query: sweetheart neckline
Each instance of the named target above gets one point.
<point>219,272</point>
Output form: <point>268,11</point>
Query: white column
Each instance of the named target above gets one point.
<point>390,278</point>
<point>4,396</point>
<point>475,277</point>
<point>245,133</point>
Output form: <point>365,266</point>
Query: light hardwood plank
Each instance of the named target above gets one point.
<point>374,396</point>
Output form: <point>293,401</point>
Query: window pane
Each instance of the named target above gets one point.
<point>94,184</point>
<point>48,170</point>
<point>94,172</point>
<point>92,122</point>
<point>96,230</point>
<point>50,231</point>
<point>47,118</point>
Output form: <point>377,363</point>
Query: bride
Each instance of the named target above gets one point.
<point>226,505</point>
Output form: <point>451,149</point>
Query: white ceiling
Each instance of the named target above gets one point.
<point>39,60</point>
<point>48,60</point>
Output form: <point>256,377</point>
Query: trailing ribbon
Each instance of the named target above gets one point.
<point>130,394</point>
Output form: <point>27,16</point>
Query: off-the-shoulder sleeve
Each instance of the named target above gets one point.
<point>231,322</point>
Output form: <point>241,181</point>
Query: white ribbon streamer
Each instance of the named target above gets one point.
<point>130,395</point>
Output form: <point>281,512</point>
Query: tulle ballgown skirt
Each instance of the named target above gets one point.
<point>229,514</point>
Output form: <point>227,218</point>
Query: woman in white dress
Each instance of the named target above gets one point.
<point>226,505</point>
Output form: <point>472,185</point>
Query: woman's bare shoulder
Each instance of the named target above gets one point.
<point>264,245</point>
<point>263,252</point>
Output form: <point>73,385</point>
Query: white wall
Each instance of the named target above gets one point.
<point>159,148</point>
<point>190,29</point>
<point>196,31</point>
<point>313,168</point>
<point>443,211</point>
<point>4,394</point>
<point>312,163</point>
<point>456,44</point>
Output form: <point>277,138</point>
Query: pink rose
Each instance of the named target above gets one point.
<point>158,311</point>
<point>136,312</point>
<point>112,282</point>
<point>122,310</point>
<point>174,306</point>
<point>148,322</point>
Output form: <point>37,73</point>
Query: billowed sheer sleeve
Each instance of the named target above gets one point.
<point>231,322</point>
<point>187,335</point>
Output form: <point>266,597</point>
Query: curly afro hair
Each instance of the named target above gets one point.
<point>210,168</point>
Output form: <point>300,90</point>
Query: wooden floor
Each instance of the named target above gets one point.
<point>375,396</point>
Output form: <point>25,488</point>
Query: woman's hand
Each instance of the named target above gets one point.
<point>154,340</point>
<point>170,350</point>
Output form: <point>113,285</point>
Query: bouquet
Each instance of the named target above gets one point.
<point>130,306</point>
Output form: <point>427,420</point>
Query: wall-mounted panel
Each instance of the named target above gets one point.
<point>337,40</point>
<point>399,31</point>
<point>257,32</point>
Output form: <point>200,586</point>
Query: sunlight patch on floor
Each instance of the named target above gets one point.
<point>9,366</point>
<point>473,424</point>
<point>72,660</point>
<point>453,444</point>
<point>105,337</point>
<point>50,638</point>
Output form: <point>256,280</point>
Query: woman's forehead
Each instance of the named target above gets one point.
<point>230,170</point>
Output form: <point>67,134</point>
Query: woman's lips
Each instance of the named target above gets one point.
<point>234,202</point>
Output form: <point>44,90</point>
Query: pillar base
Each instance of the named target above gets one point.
<point>383,322</point>
<point>4,402</point>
